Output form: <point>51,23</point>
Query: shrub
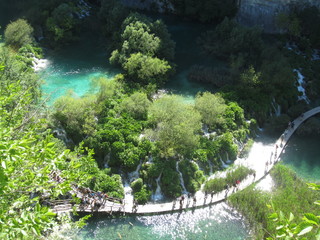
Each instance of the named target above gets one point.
<point>215,185</point>
<point>240,173</point>
<point>18,33</point>
<point>136,185</point>
<point>143,195</point>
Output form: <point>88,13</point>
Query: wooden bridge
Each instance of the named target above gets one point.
<point>262,168</point>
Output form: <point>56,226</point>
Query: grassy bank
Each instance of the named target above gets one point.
<point>290,195</point>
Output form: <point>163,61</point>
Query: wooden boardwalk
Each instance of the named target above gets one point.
<point>262,167</point>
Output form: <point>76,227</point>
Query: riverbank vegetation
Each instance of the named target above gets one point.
<point>259,206</point>
<point>127,131</point>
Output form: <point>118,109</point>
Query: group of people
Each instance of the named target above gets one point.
<point>95,200</point>
<point>190,198</point>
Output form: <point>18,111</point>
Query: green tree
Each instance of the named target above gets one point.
<point>76,116</point>
<point>144,50</point>
<point>136,105</point>
<point>146,70</point>
<point>211,107</point>
<point>175,126</point>
<point>60,24</point>
<point>18,34</point>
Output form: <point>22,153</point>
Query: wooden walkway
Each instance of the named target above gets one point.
<point>262,168</point>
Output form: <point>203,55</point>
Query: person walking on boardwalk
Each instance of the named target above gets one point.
<point>212,193</point>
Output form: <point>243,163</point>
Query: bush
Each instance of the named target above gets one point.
<point>192,176</point>
<point>18,33</point>
<point>136,185</point>
<point>143,195</point>
<point>215,185</point>
<point>240,173</point>
<point>112,185</point>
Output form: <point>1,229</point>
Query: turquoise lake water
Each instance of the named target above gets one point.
<point>75,66</point>
<point>302,154</point>
<point>218,222</point>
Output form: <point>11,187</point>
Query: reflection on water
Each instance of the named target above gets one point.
<point>302,154</point>
<point>218,222</point>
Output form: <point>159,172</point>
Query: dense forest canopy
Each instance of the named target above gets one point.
<point>127,122</point>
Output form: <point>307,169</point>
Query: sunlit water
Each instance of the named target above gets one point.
<point>218,222</point>
<point>302,154</point>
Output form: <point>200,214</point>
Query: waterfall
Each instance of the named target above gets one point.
<point>150,160</point>
<point>106,160</point>
<point>211,167</point>
<point>128,197</point>
<point>39,64</point>
<point>134,175</point>
<point>300,87</point>
<point>184,190</point>
<point>157,196</point>
<point>83,9</point>
<point>276,107</point>
<point>61,134</point>
<point>228,161</point>
<point>224,165</point>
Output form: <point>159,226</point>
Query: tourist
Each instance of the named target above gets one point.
<point>181,201</point>
<point>194,200</point>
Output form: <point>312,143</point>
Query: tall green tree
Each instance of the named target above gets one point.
<point>211,107</point>
<point>176,125</point>
<point>18,34</point>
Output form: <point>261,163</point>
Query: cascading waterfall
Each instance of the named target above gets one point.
<point>157,196</point>
<point>224,165</point>
<point>128,197</point>
<point>150,160</point>
<point>84,9</point>
<point>134,175</point>
<point>300,87</point>
<point>126,185</point>
<point>106,160</point>
<point>184,190</point>
<point>61,134</point>
<point>276,108</point>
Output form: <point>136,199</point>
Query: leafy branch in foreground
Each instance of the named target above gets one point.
<point>309,226</point>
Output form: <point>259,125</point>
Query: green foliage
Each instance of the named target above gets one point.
<point>175,126</point>
<point>18,34</point>
<point>240,173</point>
<point>280,218</point>
<point>76,116</point>
<point>136,105</point>
<point>140,191</point>
<point>233,175</point>
<point>215,185</point>
<point>192,176</point>
<point>112,13</point>
<point>144,50</point>
<point>60,24</point>
<point>143,195</point>
<point>170,182</point>
<point>230,39</point>
<point>298,24</point>
<point>227,146</point>
<point>211,107</point>
<point>112,185</point>
<point>145,69</point>
<point>137,185</point>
